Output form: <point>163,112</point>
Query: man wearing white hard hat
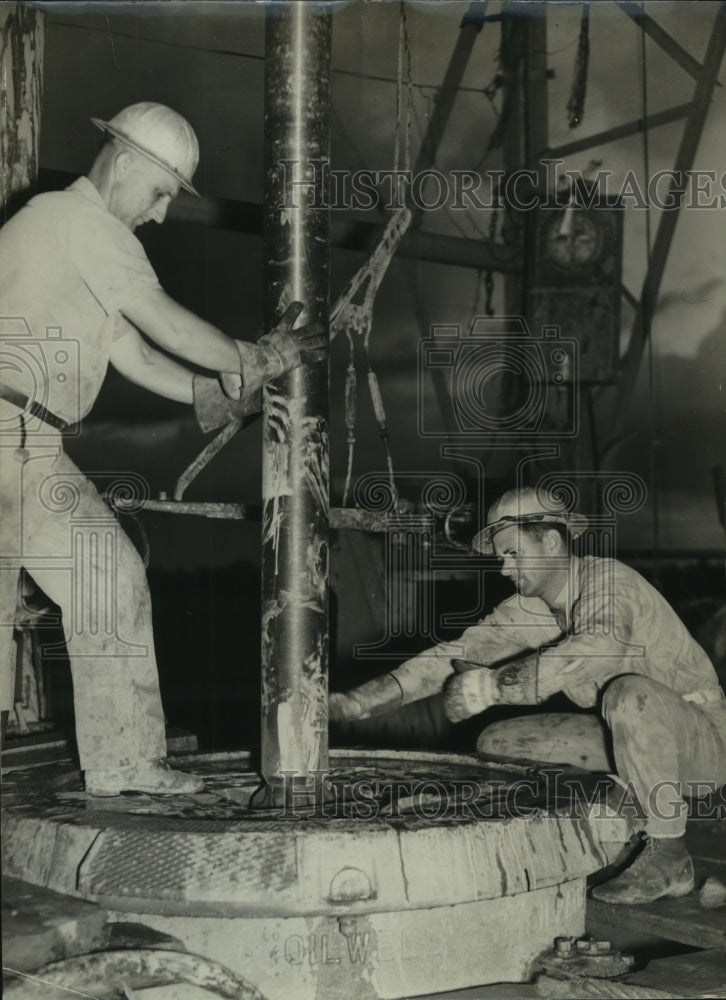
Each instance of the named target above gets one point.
<point>597,631</point>
<point>77,291</point>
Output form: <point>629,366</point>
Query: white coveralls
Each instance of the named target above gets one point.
<point>67,267</point>
<point>611,639</point>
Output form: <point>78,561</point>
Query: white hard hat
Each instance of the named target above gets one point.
<point>526,506</point>
<point>160,134</point>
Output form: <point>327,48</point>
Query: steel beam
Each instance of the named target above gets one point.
<point>295,431</point>
<point>443,105</point>
<point>621,131</point>
<point>661,38</point>
<point>470,27</point>
<point>536,111</point>
<point>661,246</point>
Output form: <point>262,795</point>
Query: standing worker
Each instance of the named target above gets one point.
<point>595,630</point>
<point>77,291</point>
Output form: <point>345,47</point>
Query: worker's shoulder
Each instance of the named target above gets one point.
<point>612,573</point>
<point>77,218</point>
<point>54,212</point>
<point>71,202</point>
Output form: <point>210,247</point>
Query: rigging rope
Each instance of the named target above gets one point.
<point>356,317</point>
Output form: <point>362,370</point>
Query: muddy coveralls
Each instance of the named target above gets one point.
<point>612,641</point>
<point>67,267</point>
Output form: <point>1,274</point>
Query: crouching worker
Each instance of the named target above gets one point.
<point>597,631</point>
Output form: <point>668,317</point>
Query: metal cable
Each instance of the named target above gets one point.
<point>647,311</point>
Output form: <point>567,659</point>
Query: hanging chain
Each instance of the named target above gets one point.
<point>576,102</point>
<point>403,82</point>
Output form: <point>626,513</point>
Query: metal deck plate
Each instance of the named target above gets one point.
<point>402,830</point>
<point>417,872</point>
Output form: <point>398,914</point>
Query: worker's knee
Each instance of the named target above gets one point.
<point>525,736</point>
<point>628,693</point>
<point>554,738</point>
<point>490,740</point>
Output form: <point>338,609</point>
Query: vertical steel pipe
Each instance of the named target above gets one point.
<point>295,432</point>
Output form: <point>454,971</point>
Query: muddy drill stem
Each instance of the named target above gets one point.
<point>295,434</point>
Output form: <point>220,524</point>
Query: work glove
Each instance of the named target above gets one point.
<point>474,688</point>
<point>213,408</point>
<point>276,353</point>
<point>382,694</point>
<point>470,691</point>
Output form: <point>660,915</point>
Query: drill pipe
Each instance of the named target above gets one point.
<point>295,413</point>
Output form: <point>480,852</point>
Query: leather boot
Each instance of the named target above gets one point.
<point>155,777</point>
<point>663,868</point>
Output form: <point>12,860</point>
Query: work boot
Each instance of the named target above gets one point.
<point>156,777</point>
<point>663,868</point>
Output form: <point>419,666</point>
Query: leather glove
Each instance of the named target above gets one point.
<point>276,353</point>
<point>213,408</point>
<point>382,694</point>
<point>470,691</point>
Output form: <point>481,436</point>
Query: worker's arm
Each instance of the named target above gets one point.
<point>598,645</point>
<point>181,332</point>
<point>143,365</point>
<point>516,627</point>
<point>596,648</point>
<point>248,365</point>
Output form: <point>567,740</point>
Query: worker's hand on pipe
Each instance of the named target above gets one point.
<point>382,694</point>
<point>471,690</point>
<point>311,343</point>
<point>276,353</point>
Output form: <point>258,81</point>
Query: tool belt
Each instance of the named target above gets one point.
<point>20,400</point>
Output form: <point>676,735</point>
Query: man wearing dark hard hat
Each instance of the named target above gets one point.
<point>77,291</point>
<point>595,630</point>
